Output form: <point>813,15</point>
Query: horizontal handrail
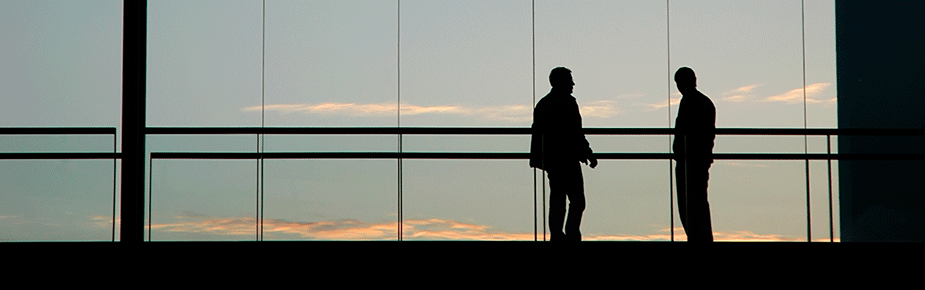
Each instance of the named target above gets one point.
<point>58,131</point>
<point>516,131</point>
<point>60,155</point>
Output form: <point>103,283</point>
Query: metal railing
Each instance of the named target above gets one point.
<point>399,154</point>
<point>828,156</point>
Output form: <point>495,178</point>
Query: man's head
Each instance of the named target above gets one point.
<point>561,79</point>
<point>685,79</point>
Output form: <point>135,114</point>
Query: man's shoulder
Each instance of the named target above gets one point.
<point>546,99</point>
<point>553,99</point>
<point>705,97</point>
<point>556,95</point>
<point>703,100</point>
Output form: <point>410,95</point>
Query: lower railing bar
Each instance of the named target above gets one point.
<point>515,155</point>
<point>508,131</point>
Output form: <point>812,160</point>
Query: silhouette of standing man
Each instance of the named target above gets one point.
<point>693,149</point>
<point>557,146</point>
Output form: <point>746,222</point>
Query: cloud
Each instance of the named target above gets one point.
<point>736,236</point>
<point>673,101</point>
<point>439,229</point>
<point>418,229</point>
<point>748,236</point>
<point>511,113</point>
<point>347,229</point>
<point>523,113</point>
<point>740,94</point>
<point>796,95</point>
<point>746,93</point>
<point>351,109</point>
<point>600,109</point>
<point>743,89</point>
<point>735,98</point>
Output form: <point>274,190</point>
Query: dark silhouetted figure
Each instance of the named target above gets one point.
<point>693,148</point>
<point>557,147</point>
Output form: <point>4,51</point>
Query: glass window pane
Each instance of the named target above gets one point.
<point>465,63</point>
<point>323,199</point>
<point>204,63</point>
<point>203,200</point>
<point>56,200</point>
<point>467,200</point>
<point>617,53</point>
<point>627,200</point>
<point>758,200</point>
<point>61,63</point>
<point>747,56</point>
<point>330,63</point>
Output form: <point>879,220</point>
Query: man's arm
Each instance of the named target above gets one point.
<point>702,130</point>
<point>583,145</point>
<point>536,139</point>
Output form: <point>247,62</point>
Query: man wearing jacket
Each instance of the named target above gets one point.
<point>558,145</point>
<point>693,150</point>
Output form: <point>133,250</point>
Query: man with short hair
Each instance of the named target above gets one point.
<point>558,145</point>
<point>693,150</point>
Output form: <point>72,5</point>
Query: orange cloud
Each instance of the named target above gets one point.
<point>511,113</point>
<point>600,109</point>
<point>429,229</point>
<point>737,236</point>
<point>673,101</point>
<point>743,89</point>
<point>740,94</point>
<point>796,95</point>
<point>420,229</point>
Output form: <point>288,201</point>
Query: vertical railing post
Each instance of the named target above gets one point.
<point>809,223</point>
<point>828,147</point>
<point>115,145</point>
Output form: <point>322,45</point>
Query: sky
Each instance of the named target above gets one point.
<point>441,64</point>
